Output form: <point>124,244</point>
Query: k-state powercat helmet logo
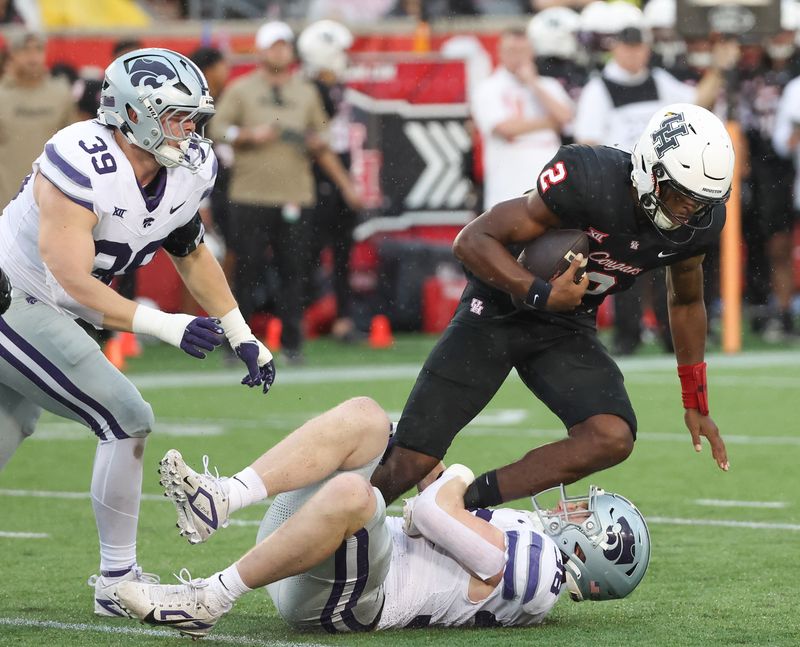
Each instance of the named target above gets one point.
<point>150,72</point>
<point>621,542</point>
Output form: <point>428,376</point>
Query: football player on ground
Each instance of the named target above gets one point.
<point>103,197</point>
<point>662,205</point>
<point>331,558</point>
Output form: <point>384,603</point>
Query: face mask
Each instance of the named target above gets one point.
<point>780,51</point>
<point>700,60</point>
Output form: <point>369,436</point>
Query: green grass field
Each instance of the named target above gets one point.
<point>725,546</point>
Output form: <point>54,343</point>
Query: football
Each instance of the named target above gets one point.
<point>549,255</point>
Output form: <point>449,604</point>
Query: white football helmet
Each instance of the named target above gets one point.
<point>686,149</point>
<point>552,32</point>
<point>151,95</point>
<point>323,45</point>
<point>605,539</point>
<point>660,14</point>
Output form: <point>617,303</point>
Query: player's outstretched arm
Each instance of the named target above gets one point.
<point>687,316</point>
<point>203,276</point>
<point>67,248</point>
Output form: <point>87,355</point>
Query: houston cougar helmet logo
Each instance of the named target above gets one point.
<point>621,542</point>
<point>149,72</point>
<point>666,137</point>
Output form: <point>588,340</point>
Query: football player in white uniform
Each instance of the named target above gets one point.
<point>101,199</point>
<point>331,559</point>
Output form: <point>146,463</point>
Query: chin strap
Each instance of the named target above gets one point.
<point>694,387</point>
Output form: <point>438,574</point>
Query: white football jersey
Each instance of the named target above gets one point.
<point>86,164</point>
<point>427,587</point>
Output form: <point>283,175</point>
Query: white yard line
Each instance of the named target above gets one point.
<point>81,627</point>
<point>642,436</point>
<point>396,509</point>
<point>55,494</point>
<point>728,503</point>
<point>725,523</point>
<point>374,372</point>
<point>23,535</point>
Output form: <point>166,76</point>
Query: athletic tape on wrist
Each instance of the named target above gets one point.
<point>694,387</point>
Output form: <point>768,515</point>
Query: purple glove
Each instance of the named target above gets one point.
<point>202,334</point>
<point>249,352</point>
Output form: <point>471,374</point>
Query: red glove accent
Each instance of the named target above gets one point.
<point>694,387</point>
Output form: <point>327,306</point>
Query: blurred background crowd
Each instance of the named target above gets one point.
<point>356,137</point>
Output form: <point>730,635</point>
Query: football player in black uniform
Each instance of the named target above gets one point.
<point>662,205</point>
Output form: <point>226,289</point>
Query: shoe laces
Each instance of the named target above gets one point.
<point>146,578</point>
<point>207,472</point>
<point>175,595</point>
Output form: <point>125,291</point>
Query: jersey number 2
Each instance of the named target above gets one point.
<point>553,175</point>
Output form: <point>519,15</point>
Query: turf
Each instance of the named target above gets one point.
<point>707,584</point>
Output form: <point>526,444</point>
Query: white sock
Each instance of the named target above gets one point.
<point>244,489</point>
<point>116,491</point>
<point>228,584</point>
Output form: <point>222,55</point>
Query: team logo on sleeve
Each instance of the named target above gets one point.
<point>666,137</point>
<point>150,72</point>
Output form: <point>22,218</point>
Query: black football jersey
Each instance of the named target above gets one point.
<point>589,188</point>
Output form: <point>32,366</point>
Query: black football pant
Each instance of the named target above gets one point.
<point>260,235</point>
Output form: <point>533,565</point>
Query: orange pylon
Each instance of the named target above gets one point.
<point>380,332</point>
<point>273,334</point>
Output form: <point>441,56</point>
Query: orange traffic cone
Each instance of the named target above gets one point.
<point>113,352</point>
<point>273,334</point>
<point>130,344</point>
<point>380,332</point>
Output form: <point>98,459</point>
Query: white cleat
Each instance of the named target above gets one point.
<point>201,500</point>
<point>189,607</point>
<point>106,602</point>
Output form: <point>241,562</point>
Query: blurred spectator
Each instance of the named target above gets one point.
<point>660,18</point>
<point>323,49</point>
<point>9,13</point>
<point>520,115</point>
<point>776,126</point>
<point>33,106</point>
<point>216,217</point>
<point>553,35</point>
<point>614,109</point>
<point>540,5</point>
<point>276,123</point>
<point>350,11</point>
<point>435,9</point>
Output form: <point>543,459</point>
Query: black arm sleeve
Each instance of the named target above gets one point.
<point>184,240</point>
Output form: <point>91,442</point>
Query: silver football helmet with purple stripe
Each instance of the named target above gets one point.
<point>152,96</point>
<point>605,539</point>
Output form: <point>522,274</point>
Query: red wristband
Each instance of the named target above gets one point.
<point>694,387</point>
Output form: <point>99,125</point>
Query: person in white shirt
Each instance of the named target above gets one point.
<point>520,116</point>
<point>331,559</point>
<point>613,110</point>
